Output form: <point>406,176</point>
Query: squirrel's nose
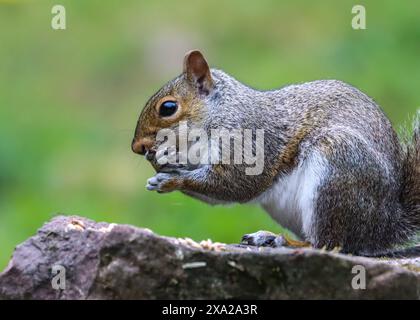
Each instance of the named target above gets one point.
<point>138,146</point>
<point>142,145</point>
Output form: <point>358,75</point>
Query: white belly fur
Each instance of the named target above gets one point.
<point>291,200</point>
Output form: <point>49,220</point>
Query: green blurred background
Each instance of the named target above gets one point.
<point>69,100</point>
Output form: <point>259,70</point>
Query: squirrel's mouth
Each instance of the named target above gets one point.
<point>150,155</point>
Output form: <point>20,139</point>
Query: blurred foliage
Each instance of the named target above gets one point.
<point>69,100</point>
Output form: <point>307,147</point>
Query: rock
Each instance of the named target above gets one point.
<point>109,261</point>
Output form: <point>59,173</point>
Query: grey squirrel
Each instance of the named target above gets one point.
<point>335,172</point>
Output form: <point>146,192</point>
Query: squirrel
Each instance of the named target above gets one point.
<point>335,172</point>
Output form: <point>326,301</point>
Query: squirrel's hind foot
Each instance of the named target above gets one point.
<point>269,239</point>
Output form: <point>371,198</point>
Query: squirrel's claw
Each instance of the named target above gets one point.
<point>163,182</point>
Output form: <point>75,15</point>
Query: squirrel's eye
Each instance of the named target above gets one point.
<point>168,108</point>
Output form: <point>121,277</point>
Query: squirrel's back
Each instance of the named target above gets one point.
<point>306,112</point>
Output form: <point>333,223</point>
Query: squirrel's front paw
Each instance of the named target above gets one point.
<point>164,182</point>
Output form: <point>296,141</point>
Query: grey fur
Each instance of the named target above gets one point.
<point>370,200</point>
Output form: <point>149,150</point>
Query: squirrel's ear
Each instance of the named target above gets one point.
<point>198,71</point>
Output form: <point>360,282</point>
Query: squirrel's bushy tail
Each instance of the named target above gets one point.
<point>410,196</point>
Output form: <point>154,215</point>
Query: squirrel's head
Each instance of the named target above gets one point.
<point>182,99</point>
